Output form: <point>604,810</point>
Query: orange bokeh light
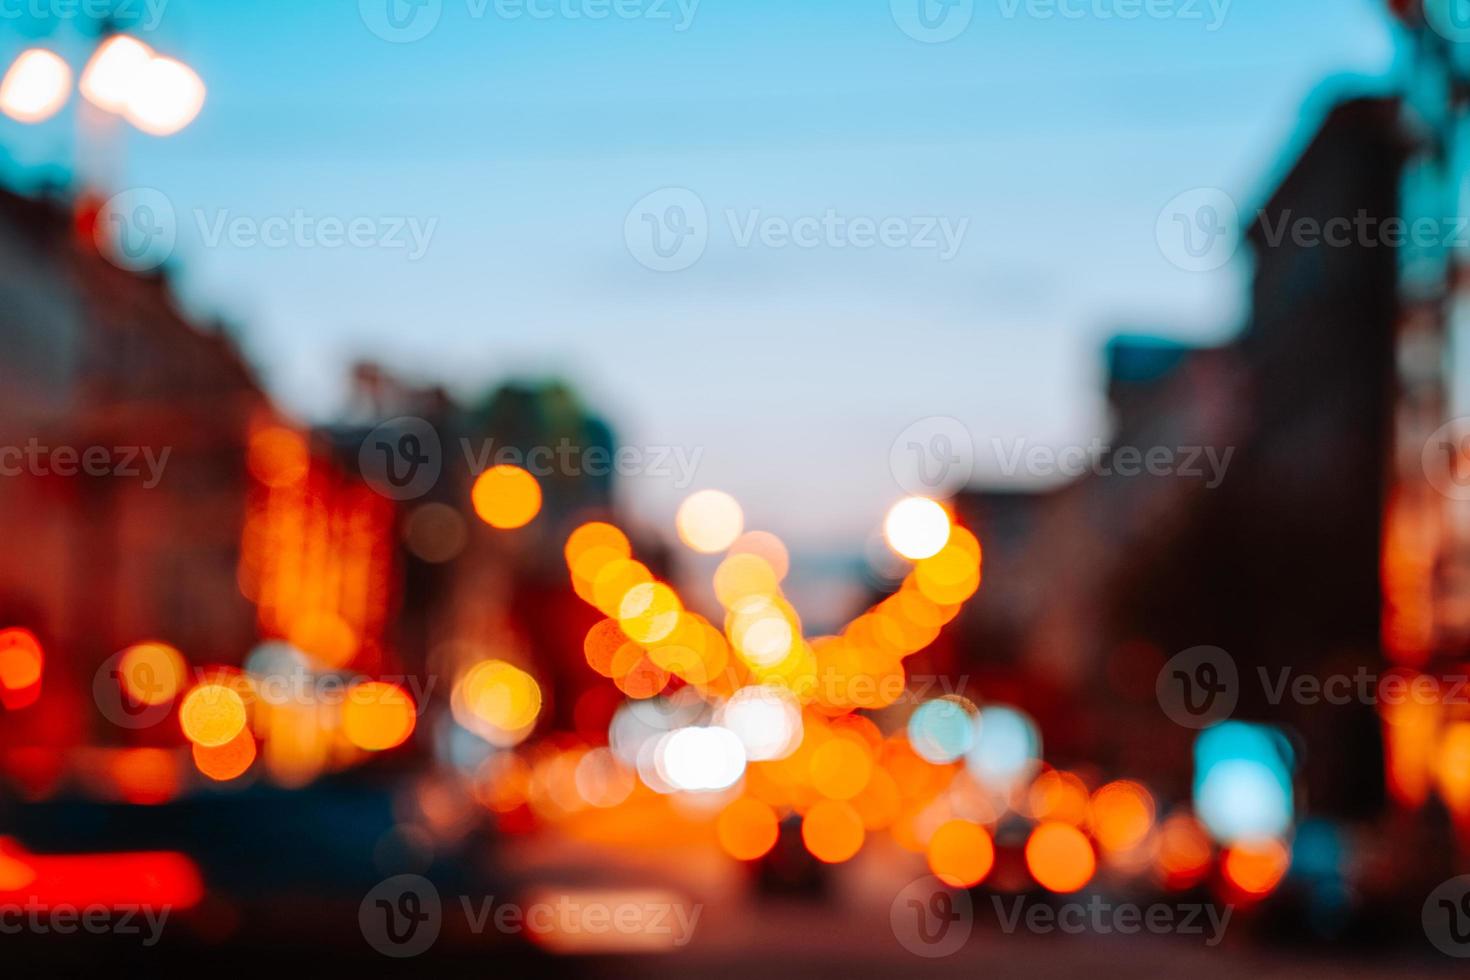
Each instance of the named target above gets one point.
<point>278,456</point>
<point>841,767</point>
<point>1059,795</point>
<point>747,829</point>
<point>832,831</point>
<point>1060,857</point>
<point>212,714</point>
<point>21,659</point>
<point>378,716</point>
<point>596,534</point>
<point>1122,815</point>
<point>152,673</point>
<point>1256,868</point>
<point>961,853</point>
<point>1184,851</point>
<point>229,761</point>
<point>601,645</point>
<point>506,497</point>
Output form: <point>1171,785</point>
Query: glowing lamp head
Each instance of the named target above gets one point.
<point>113,72</point>
<point>917,528</point>
<point>164,98</point>
<point>35,88</point>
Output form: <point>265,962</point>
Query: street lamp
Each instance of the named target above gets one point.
<point>125,77</point>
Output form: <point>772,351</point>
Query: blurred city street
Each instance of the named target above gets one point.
<point>652,488</point>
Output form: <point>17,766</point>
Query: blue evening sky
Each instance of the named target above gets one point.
<point>791,369</point>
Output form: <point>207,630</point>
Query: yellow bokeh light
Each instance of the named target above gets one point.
<point>649,612</point>
<point>742,576</point>
<point>614,581</point>
<point>152,673</point>
<point>916,527</point>
<point>212,714</point>
<point>709,521</point>
<point>764,630</point>
<point>501,695</point>
<point>506,497</point>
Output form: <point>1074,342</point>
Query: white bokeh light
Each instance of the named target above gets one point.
<point>767,720</point>
<point>113,72</point>
<point>701,759</point>
<point>916,528</point>
<point>165,98</point>
<point>36,86</point>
